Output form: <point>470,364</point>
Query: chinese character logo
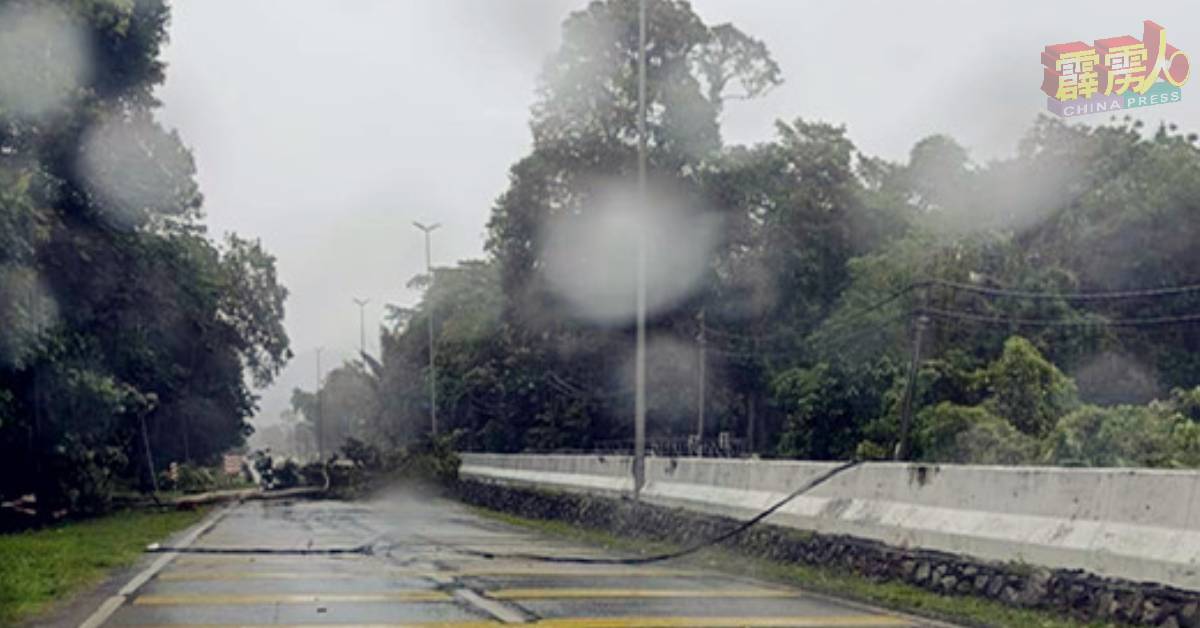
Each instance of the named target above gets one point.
<point>1114,73</point>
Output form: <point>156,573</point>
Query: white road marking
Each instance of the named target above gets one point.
<point>110,605</point>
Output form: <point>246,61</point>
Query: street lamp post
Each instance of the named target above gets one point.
<point>429,291</point>
<point>639,446</point>
<point>362,326</point>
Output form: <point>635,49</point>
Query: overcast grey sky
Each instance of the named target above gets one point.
<point>324,127</point>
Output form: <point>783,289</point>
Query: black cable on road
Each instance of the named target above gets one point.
<point>745,525</point>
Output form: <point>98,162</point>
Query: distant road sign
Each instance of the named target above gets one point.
<point>233,464</point>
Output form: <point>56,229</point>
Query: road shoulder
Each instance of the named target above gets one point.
<point>81,606</point>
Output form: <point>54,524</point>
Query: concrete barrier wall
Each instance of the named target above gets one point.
<point>1138,524</point>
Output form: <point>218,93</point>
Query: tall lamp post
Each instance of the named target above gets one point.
<point>428,229</point>
<point>639,442</point>
<point>362,326</point>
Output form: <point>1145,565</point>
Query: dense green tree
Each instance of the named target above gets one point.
<point>1027,390</point>
<point>824,263</point>
<point>1125,436</point>
<point>117,311</point>
<point>949,432</point>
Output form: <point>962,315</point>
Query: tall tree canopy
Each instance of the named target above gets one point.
<point>800,268</point>
<point>117,308</point>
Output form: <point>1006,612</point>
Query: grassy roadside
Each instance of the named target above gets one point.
<point>899,596</point>
<point>42,566</point>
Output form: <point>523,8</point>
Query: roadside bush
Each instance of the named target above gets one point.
<point>434,459</point>
<point>970,434</point>
<point>193,479</point>
<point>1026,389</point>
<point>1154,435</point>
<point>85,478</point>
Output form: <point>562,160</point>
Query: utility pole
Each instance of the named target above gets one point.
<point>149,456</point>
<point>35,429</point>
<point>320,412</point>
<point>700,384</point>
<point>433,424</point>
<point>362,326</point>
<point>919,325</point>
<point>639,411</point>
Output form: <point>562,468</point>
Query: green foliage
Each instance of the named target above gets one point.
<point>970,434</point>
<point>85,477</point>
<point>434,460</point>
<point>54,563</point>
<point>1026,389</point>
<point>115,309</point>
<point>1156,435</point>
<point>122,312</point>
<point>822,406</point>
<point>190,478</point>
<point>808,297</point>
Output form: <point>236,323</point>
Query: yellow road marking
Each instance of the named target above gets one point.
<point>433,624</point>
<point>577,571</point>
<point>803,621</point>
<point>189,575</point>
<point>225,599</point>
<point>243,559</point>
<point>569,593</point>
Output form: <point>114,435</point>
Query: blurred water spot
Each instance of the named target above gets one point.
<point>672,375</point>
<point>137,170</point>
<point>26,311</point>
<point>43,59</point>
<point>591,256</point>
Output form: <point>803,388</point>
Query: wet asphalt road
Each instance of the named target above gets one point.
<point>422,573</point>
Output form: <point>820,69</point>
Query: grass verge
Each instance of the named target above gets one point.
<point>42,566</point>
<point>898,596</point>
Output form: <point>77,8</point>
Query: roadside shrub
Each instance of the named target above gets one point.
<point>193,479</point>
<point>1026,389</point>
<point>1154,435</point>
<point>85,478</point>
<point>434,459</point>
<point>949,432</point>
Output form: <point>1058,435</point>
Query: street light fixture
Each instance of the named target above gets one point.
<point>428,229</point>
